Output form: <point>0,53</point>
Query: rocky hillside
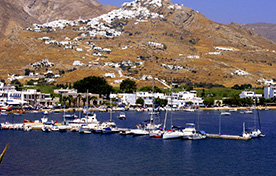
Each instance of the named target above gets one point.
<point>23,13</point>
<point>265,29</point>
<point>140,40</point>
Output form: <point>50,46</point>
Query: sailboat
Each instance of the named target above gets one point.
<point>109,127</point>
<point>172,133</point>
<point>148,126</point>
<point>191,133</point>
<point>256,132</point>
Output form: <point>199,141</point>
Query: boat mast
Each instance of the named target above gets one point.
<point>220,124</point>
<point>171,99</point>
<point>255,107</point>
<point>151,117</point>
<point>110,110</point>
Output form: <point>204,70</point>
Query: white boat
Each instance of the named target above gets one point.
<point>125,132</point>
<point>122,116</point>
<point>233,110</point>
<point>189,110</point>
<point>45,112</point>
<point>156,133</point>
<point>172,134</point>
<point>54,128</point>
<point>190,132</point>
<point>225,113</point>
<point>139,132</point>
<point>46,128</point>
<point>62,128</point>
<point>248,112</point>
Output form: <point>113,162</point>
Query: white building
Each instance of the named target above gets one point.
<point>10,96</point>
<point>249,94</point>
<point>269,92</point>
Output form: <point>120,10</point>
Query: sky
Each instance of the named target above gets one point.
<point>226,11</point>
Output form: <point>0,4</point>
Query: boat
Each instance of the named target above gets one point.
<point>62,128</point>
<point>46,128</point>
<point>245,134</point>
<point>172,133</point>
<point>139,132</point>
<point>122,116</point>
<point>248,112</point>
<point>225,113</point>
<point>189,110</point>
<point>125,132</point>
<point>70,116</point>
<point>54,128</point>
<point>233,110</point>
<point>190,132</point>
<point>45,112</point>
<point>256,132</point>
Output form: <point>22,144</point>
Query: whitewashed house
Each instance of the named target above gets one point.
<point>249,94</point>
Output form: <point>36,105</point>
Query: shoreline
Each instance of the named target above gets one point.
<point>104,110</point>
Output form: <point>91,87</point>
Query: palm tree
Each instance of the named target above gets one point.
<point>75,101</point>
<point>94,98</point>
<point>83,100</point>
<point>64,99</point>
<point>70,98</point>
<point>79,96</point>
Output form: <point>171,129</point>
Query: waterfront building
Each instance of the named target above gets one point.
<point>11,96</point>
<point>250,94</point>
<point>270,92</point>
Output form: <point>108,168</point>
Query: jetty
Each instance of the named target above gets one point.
<point>234,137</point>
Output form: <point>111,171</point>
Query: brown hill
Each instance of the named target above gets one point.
<point>161,36</point>
<point>23,13</point>
<point>265,29</point>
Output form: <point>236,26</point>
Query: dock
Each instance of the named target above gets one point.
<point>234,137</point>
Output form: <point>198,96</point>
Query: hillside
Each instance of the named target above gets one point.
<point>265,29</point>
<point>152,37</point>
<point>23,13</point>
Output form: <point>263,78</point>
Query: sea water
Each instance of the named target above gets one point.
<point>71,153</point>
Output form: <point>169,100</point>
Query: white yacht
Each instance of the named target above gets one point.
<point>190,132</point>
<point>172,134</point>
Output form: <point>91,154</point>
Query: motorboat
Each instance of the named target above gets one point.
<point>190,132</point>
<point>139,132</point>
<point>62,128</point>
<point>225,113</point>
<point>122,116</point>
<point>126,132</point>
<point>54,128</point>
<point>156,133</point>
<point>46,128</point>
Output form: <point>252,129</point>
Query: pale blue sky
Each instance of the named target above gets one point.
<point>226,11</point>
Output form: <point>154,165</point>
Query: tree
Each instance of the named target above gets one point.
<point>94,84</point>
<point>140,101</point>
<point>79,96</point>
<point>128,86</point>
<point>27,72</point>
<point>160,102</point>
<point>70,99</point>
<point>83,100</point>
<point>209,101</point>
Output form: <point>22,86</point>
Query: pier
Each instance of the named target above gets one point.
<point>234,137</point>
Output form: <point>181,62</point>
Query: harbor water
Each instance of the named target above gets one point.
<point>72,153</point>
